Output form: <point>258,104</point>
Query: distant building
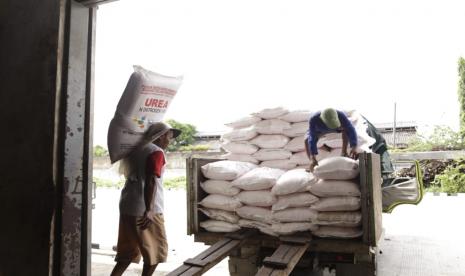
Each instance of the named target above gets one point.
<point>211,139</point>
<point>405,131</point>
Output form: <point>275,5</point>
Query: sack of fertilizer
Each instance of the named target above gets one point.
<point>293,181</point>
<point>222,215</point>
<point>340,168</point>
<point>145,100</point>
<point>261,178</point>
<point>219,226</point>
<point>226,169</point>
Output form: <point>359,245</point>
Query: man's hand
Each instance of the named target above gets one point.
<point>146,220</point>
<point>313,164</point>
<point>353,153</point>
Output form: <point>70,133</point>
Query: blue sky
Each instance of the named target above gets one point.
<point>238,57</point>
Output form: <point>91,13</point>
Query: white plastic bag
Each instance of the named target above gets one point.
<point>283,164</point>
<point>272,126</point>
<point>270,141</point>
<point>221,187</point>
<point>243,134</point>
<point>240,147</point>
<point>219,226</point>
<point>301,214</point>
<point>222,215</point>
<point>240,157</point>
<point>255,213</point>
<point>258,179</point>
<point>296,144</point>
<point>262,198</point>
<point>296,116</point>
<point>145,100</point>
<point>243,122</point>
<point>271,113</point>
<point>332,188</point>
<point>226,169</point>
<point>339,203</point>
<point>221,202</point>
<point>272,154</point>
<point>292,227</point>
<point>339,168</point>
<point>293,181</point>
<point>334,218</point>
<point>296,129</point>
<point>294,200</point>
<point>300,158</point>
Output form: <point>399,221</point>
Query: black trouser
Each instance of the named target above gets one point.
<point>380,147</point>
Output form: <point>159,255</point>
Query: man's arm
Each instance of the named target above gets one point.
<point>349,134</point>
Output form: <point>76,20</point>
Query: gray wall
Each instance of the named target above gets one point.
<point>29,35</point>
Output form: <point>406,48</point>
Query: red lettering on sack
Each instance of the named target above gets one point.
<point>156,103</point>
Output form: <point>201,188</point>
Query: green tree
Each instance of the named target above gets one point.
<point>461,94</point>
<point>100,151</point>
<point>186,138</point>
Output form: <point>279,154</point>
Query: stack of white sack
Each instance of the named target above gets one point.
<point>221,203</point>
<point>330,145</point>
<point>338,207</point>
<point>272,137</point>
<point>291,212</point>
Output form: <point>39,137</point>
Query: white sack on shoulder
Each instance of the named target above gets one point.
<point>292,227</point>
<point>338,168</point>
<point>240,157</point>
<point>244,122</point>
<point>258,179</point>
<point>255,213</point>
<point>300,158</point>
<point>331,188</point>
<point>144,101</point>
<point>272,154</point>
<point>270,141</point>
<point>293,181</point>
<point>221,187</point>
<point>338,232</point>
<point>252,224</point>
<point>240,147</point>
<point>219,226</point>
<point>296,129</point>
<point>339,203</point>
<point>262,198</point>
<point>243,134</point>
<point>294,200</point>
<point>296,116</point>
<point>271,113</point>
<point>283,164</point>
<point>221,202</point>
<point>301,214</point>
<point>226,169</point>
<point>272,126</point>
<point>222,215</point>
<point>296,144</point>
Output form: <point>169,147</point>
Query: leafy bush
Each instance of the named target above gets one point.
<point>442,138</point>
<point>194,148</point>
<point>175,183</point>
<point>100,151</point>
<point>107,183</point>
<point>452,180</point>
<point>185,138</point>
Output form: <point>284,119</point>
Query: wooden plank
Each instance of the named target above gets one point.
<point>377,204</point>
<point>283,260</point>
<point>365,167</point>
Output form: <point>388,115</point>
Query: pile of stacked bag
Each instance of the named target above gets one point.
<point>264,184</point>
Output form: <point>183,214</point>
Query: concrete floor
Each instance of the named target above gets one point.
<point>427,239</point>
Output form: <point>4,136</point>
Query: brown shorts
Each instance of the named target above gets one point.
<point>133,242</point>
